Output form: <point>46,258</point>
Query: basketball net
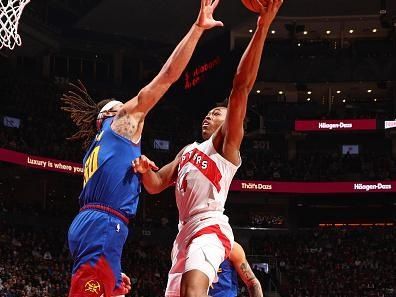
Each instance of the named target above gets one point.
<point>10,13</point>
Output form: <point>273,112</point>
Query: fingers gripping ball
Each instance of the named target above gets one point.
<point>254,5</point>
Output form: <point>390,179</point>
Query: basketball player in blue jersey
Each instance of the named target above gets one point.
<point>227,283</point>
<point>111,133</point>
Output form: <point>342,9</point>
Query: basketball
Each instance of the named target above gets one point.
<point>252,5</point>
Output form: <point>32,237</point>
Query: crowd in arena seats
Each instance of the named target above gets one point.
<point>37,263</point>
<point>326,262</point>
<point>44,129</point>
<point>32,263</point>
<point>324,61</point>
<point>348,262</point>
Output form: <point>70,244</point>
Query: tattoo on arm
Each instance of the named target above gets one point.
<point>124,125</point>
<point>255,290</point>
<point>247,273</point>
<point>251,281</point>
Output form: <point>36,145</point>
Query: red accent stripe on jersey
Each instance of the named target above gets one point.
<point>107,209</point>
<point>203,163</point>
<point>216,230</point>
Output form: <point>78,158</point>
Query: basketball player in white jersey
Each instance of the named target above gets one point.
<point>202,174</point>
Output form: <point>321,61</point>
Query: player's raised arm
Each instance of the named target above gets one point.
<point>244,79</point>
<point>176,63</point>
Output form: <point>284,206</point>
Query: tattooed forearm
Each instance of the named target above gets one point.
<point>248,274</point>
<point>251,281</point>
<point>255,289</point>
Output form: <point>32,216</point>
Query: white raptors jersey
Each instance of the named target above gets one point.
<point>203,180</point>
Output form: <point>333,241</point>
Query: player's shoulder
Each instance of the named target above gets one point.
<point>188,147</point>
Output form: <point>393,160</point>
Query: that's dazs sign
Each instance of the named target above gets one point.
<point>255,186</point>
<point>334,125</point>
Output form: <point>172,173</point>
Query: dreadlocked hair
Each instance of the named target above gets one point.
<point>83,112</point>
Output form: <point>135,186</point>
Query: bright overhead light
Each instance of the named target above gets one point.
<point>375,99</point>
<point>250,31</point>
<point>298,44</point>
<point>258,91</point>
<point>369,91</point>
<point>351,31</point>
<point>305,32</point>
<point>273,31</point>
<point>308,99</point>
<point>328,32</point>
<point>374,30</point>
<point>343,100</point>
<point>309,92</point>
<point>338,92</point>
<point>280,92</point>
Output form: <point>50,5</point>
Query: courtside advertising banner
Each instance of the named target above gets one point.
<point>390,124</point>
<point>44,163</point>
<point>314,187</point>
<point>40,162</point>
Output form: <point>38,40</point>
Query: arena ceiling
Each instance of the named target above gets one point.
<point>167,20</point>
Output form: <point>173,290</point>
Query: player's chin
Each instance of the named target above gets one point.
<point>205,134</point>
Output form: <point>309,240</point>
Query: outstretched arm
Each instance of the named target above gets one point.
<point>178,60</point>
<point>134,111</point>
<point>241,265</point>
<point>245,77</point>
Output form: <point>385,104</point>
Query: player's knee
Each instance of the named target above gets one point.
<point>191,292</point>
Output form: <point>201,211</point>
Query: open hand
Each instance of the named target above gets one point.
<point>124,288</point>
<point>142,164</point>
<point>205,18</point>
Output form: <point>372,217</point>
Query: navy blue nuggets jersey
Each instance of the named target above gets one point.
<point>108,176</point>
<point>108,200</point>
<point>227,285</point>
